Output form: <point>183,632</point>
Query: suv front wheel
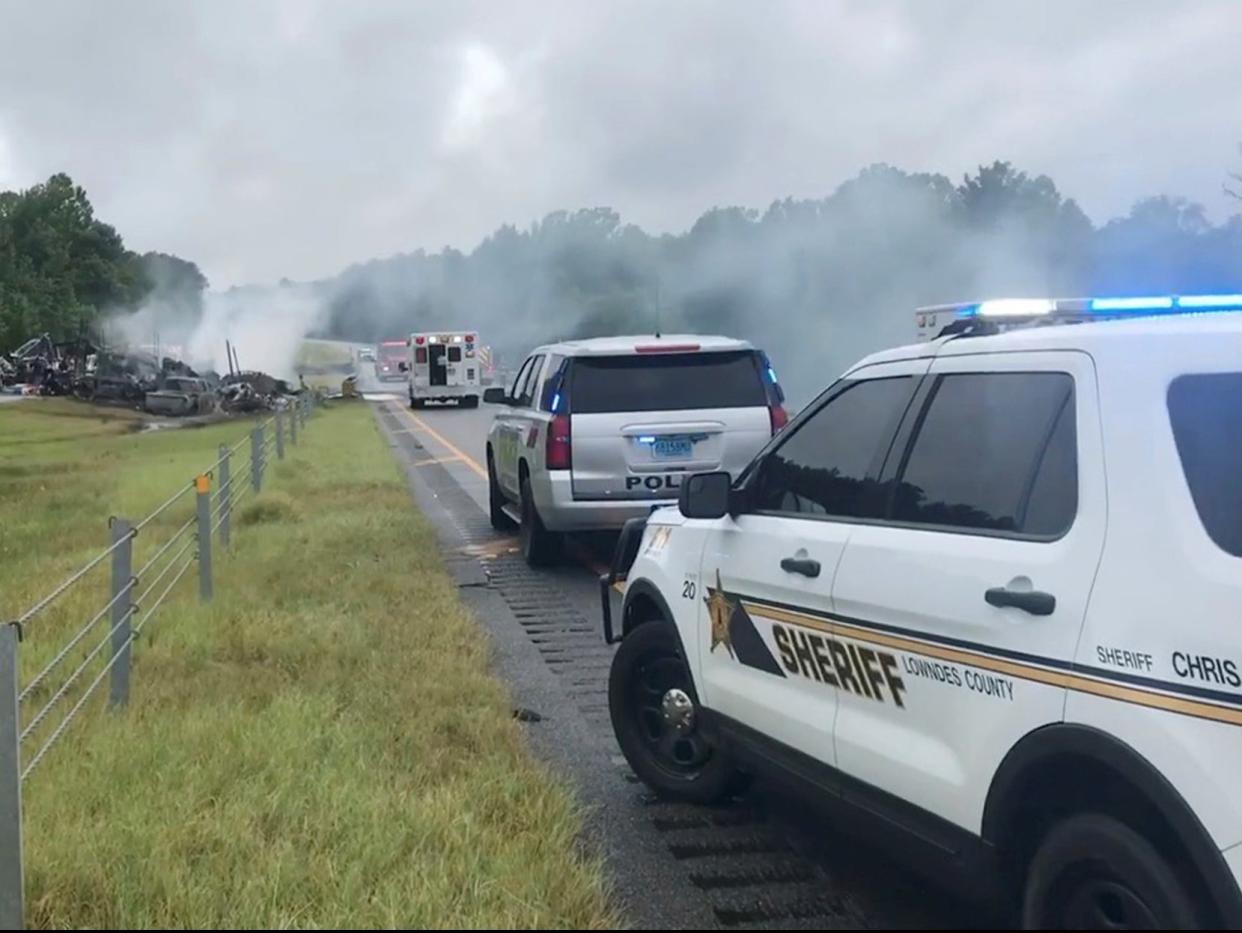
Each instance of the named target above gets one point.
<point>1093,872</point>
<point>654,711</point>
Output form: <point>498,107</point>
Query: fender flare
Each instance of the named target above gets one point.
<point>1082,741</point>
<point>644,588</point>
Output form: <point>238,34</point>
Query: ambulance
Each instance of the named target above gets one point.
<point>444,367</point>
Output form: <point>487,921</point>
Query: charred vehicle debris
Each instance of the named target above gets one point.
<point>138,378</point>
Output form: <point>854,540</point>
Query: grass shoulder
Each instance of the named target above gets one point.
<point>322,746</point>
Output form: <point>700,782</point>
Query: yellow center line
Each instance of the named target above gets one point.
<point>469,461</point>
<point>464,457</point>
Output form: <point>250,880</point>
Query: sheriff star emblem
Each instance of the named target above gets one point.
<point>720,609</point>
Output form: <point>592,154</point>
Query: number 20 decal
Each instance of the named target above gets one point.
<point>687,590</point>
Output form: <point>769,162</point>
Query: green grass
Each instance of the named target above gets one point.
<point>322,746</point>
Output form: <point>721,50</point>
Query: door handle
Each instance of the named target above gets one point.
<point>802,565</point>
<point>1032,601</point>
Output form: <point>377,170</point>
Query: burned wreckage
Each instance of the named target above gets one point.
<point>140,378</point>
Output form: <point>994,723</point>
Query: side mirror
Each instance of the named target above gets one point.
<point>495,396</point>
<point>403,366</point>
<point>706,495</point>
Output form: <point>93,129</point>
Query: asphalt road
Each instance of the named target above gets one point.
<point>761,862</point>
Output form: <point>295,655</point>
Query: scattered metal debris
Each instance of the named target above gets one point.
<point>138,378</point>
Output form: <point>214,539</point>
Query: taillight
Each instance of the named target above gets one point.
<point>557,454</point>
<point>778,417</point>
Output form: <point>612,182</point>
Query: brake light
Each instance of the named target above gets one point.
<point>778,417</point>
<point>666,348</point>
<point>557,454</point>
<point>469,338</point>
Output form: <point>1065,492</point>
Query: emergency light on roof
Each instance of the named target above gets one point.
<point>1155,303</point>
<point>1015,307</point>
<point>1210,301</point>
<point>1011,312</point>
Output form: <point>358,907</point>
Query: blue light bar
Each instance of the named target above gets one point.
<point>1210,301</point>
<point>1131,304</point>
<point>556,402</point>
<point>772,374</point>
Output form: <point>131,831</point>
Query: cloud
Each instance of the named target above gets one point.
<point>286,138</point>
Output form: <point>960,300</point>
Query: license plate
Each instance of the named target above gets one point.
<point>672,448</point>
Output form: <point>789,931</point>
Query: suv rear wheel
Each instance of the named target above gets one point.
<point>540,547</point>
<point>654,713</point>
<point>1093,872</point>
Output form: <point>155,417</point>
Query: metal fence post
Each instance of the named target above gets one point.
<point>280,435</point>
<point>223,490</point>
<point>256,454</point>
<point>293,424</point>
<point>202,489</point>
<point>122,579</point>
<point>10,786</point>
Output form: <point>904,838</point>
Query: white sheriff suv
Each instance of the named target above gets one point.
<point>986,593</point>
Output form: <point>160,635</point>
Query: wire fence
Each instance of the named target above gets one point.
<point>31,723</point>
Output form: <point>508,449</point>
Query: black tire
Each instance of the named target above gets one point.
<point>496,499</point>
<point>679,764</point>
<point>1092,872</point>
<point>416,403</point>
<point>469,401</point>
<point>539,546</point>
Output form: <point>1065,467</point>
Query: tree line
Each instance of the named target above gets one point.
<point>61,268</point>
<point>817,282</point>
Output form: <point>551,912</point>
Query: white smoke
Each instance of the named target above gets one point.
<point>265,325</point>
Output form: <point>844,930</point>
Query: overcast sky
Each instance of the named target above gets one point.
<point>269,138</point>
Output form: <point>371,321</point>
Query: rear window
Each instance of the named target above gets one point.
<point>454,354</point>
<point>1206,414</point>
<point>658,382</point>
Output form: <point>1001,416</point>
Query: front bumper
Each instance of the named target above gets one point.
<point>560,511</point>
<point>443,393</point>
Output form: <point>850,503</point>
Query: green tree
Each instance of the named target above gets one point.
<point>60,266</point>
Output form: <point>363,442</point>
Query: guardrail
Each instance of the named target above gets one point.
<point>134,598</point>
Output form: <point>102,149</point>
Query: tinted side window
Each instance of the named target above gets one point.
<point>454,354</point>
<point>1206,414</point>
<point>828,465</point>
<point>519,380</point>
<point>551,384</point>
<point>527,393</point>
<point>995,451</point>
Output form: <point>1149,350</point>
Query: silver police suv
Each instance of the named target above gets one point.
<point>595,432</point>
